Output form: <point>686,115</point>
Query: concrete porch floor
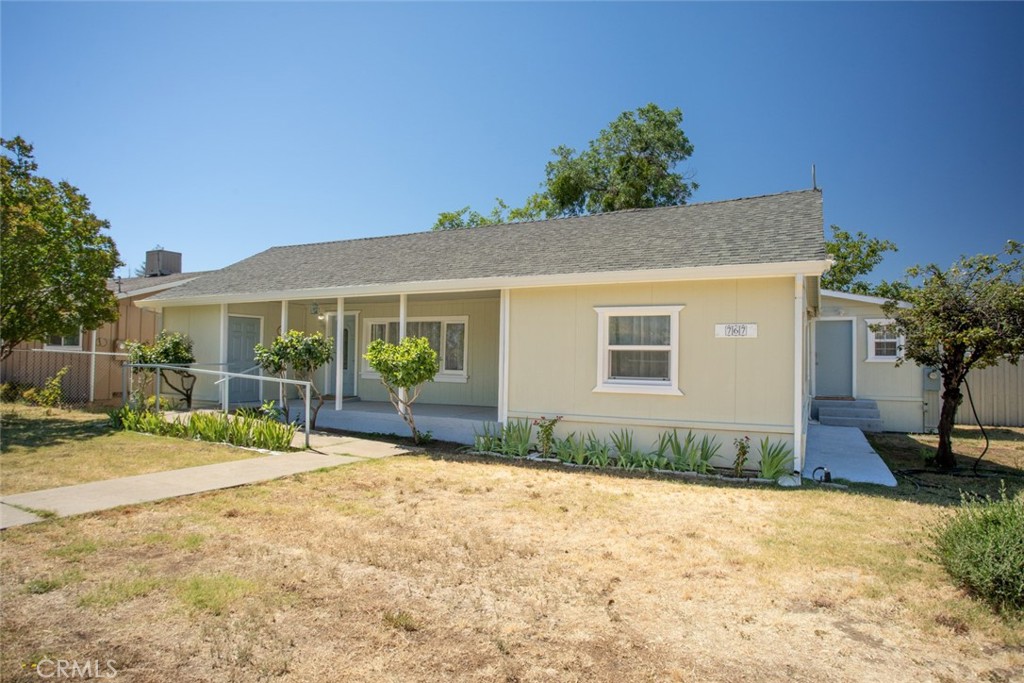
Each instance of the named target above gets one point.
<point>847,455</point>
<point>457,423</point>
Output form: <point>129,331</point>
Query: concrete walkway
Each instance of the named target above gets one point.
<point>328,450</point>
<point>846,454</point>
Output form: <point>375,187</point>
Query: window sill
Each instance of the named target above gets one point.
<point>637,389</point>
<point>48,347</point>
<point>881,360</point>
<point>438,379</point>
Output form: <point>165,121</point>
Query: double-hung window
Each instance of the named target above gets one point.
<point>884,342</point>
<point>65,342</point>
<point>447,336</point>
<point>638,349</point>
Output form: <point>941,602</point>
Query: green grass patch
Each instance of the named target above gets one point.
<point>401,620</point>
<point>53,582</point>
<point>214,594</point>
<point>75,551</point>
<point>113,593</point>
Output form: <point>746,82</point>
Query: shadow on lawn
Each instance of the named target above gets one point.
<point>909,457</point>
<point>37,432</point>
<point>906,455</point>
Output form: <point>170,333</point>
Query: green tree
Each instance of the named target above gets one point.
<point>854,256</point>
<point>303,354</point>
<point>169,348</point>
<point>629,165</point>
<point>403,368</point>
<point>56,259</point>
<point>969,316</point>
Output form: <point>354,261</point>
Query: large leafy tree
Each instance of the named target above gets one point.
<point>856,255</point>
<point>55,256</point>
<point>969,316</point>
<point>631,164</point>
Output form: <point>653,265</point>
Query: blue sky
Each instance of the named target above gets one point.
<point>220,129</point>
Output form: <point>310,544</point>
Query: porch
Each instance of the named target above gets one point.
<point>457,423</point>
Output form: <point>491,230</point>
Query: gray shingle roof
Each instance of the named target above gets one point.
<point>775,228</point>
<point>132,284</point>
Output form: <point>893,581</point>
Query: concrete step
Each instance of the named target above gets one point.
<point>844,403</point>
<point>861,423</point>
<point>842,411</point>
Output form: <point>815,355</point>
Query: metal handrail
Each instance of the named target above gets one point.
<point>225,386</point>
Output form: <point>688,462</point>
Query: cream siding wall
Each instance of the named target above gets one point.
<point>899,391</point>
<point>732,387</point>
<point>202,324</point>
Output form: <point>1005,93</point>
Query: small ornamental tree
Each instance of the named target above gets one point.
<point>970,316</point>
<point>301,353</point>
<point>403,369</point>
<point>169,348</point>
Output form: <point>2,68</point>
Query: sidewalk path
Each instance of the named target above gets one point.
<point>846,453</point>
<point>328,450</point>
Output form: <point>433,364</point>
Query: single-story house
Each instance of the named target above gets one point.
<point>94,357</point>
<point>691,317</point>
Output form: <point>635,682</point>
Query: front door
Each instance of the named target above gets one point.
<point>833,362</point>
<point>348,353</point>
<point>243,335</point>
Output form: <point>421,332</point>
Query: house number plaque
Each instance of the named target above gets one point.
<point>736,330</point>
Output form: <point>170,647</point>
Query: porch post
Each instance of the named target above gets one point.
<point>503,357</point>
<point>403,305</point>
<point>92,368</point>
<point>798,374</point>
<point>339,351</point>
<point>284,331</point>
<point>224,356</point>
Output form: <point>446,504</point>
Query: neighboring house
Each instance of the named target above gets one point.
<point>94,357</point>
<point>690,317</point>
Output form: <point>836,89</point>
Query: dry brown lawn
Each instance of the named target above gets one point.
<point>420,569</point>
<point>40,451</point>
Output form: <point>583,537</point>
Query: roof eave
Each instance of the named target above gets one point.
<point>741,271</point>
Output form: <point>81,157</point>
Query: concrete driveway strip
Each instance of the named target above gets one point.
<point>144,488</point>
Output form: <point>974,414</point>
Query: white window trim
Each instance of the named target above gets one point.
<point>61,347</point>
<point>872,356</point>
<point>637,386</point>
<point>442,376</point>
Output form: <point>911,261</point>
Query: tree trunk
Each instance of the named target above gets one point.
<point>951,398</point>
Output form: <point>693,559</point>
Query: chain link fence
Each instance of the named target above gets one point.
<point>91,379</point>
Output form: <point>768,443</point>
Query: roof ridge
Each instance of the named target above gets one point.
<point>541,220</point>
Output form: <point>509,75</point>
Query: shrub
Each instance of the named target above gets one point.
<point>776,459</point>
<point>598,451</point>
<point>489,441</point>
<point>516,438</point>
<point>11,391</point>
<point>545,433</point>
<point>254,431</point>
<point>742,451</point>
<point>982,548</point>
<point>571,449</point>
<point>52,393</point>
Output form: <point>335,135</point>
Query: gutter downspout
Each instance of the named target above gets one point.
<point>798,374</point>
